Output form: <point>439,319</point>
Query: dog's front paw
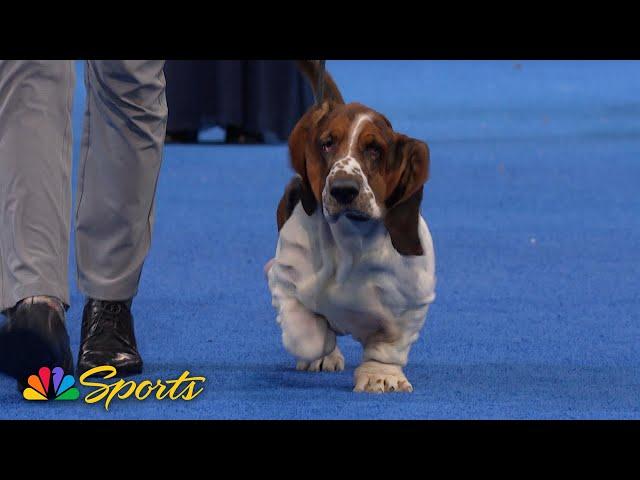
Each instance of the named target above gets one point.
<point>376,377</point>
<point>334,362</point>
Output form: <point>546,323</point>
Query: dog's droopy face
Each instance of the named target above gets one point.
<point>352,147</point>
<point>354,165</point>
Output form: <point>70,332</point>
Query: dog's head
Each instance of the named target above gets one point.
<point>356,167</point>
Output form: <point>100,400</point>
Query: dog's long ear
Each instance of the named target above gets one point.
<point>408,170</point>
<point>301,141</point>
<point>288,202</point>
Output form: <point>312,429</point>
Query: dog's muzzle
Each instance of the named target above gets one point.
<point>344,191</point>
<point>348,195</point>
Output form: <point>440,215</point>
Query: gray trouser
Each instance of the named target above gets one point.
<point>124,129</point>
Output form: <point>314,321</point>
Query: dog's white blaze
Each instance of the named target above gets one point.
<point>355,131</point>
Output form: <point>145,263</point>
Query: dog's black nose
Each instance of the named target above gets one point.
<point>344,191</point>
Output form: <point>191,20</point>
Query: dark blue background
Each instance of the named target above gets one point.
<point>534,209</point>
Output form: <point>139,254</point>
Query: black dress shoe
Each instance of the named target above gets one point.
<point>181,136</point>
<point>33,336</point>
<point>108,338</point>
<point>241,136</point>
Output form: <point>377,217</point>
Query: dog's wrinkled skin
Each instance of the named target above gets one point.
<point>354,255</point>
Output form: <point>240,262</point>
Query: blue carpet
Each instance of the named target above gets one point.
<point>534,209</point>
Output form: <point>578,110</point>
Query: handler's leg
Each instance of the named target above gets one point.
<point>122,145</point>
<point>35,207</point>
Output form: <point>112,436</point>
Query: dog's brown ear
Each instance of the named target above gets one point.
<point>408,170</point>
<point>289,200</point>
<point>301,141</point>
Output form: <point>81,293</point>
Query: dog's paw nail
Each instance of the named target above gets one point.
<point>381,379</point>
<point>334,362</point>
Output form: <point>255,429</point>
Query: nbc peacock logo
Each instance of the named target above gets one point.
<point>51,385</point>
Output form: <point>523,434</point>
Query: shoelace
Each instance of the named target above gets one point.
<point>107,315</point>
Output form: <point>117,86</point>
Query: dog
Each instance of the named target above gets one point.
<point>354,254</point>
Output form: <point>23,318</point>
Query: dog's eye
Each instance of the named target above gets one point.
<point>374,152</point>
<point>327,145</point>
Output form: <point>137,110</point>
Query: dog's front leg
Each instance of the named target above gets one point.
<point>381,368</point>
<point>377,377</point>
<point>306,335</point>
<point>334,362</point>
<point>386,352</point>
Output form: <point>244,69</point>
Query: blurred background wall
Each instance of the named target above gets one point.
<point>251,101</point>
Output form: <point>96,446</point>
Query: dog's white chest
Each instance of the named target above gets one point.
<point>359,283</point>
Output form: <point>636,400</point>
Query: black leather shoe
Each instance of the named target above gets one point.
<point>181,136</point>
<point>33,336</point>
<point>108,338</point>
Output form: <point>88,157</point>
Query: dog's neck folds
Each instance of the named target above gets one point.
<point>353,241</point>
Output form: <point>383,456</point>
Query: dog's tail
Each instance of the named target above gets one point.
<point>311,70</point>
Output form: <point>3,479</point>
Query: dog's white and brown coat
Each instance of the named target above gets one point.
<point>354,255</point>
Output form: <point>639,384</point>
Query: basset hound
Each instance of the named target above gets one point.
<point>354,255</point>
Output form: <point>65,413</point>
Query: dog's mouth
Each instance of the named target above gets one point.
<point>353,215</point>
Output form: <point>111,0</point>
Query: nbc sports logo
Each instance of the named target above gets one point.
<point>51,385</point>
<point>55,385</point>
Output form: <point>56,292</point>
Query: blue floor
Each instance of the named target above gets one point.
<point>534,207</point>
